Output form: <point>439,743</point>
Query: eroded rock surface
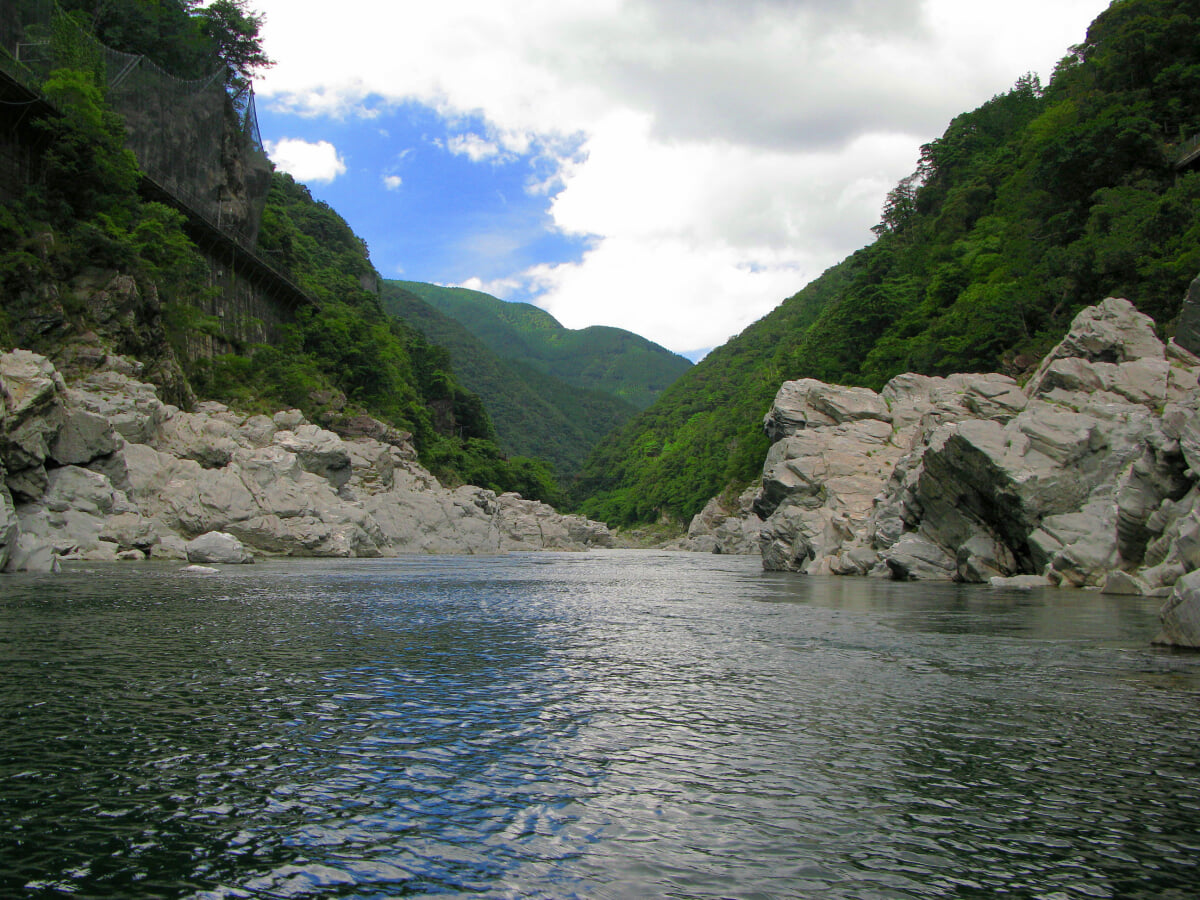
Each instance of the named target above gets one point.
<point>1088,476</point>
<point>102,469</point>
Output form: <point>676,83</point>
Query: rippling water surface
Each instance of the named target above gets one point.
<point>611,724</point>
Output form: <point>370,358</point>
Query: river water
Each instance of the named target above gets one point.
<point>611,724</point>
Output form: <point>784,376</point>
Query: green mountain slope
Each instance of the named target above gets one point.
<point>599,358</point>
<point>1027,209</point>
<point>534,414</point>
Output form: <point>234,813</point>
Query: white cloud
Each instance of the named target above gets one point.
<point>500,287</point>
<point>719,154</point>
<point>473,147</point>
<point>306,161</point>
<point>392,182</point>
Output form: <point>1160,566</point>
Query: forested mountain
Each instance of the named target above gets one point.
<point>534,414</point>
<point>65,235</point>
<point>1025,210</point>
<point>610,360</point>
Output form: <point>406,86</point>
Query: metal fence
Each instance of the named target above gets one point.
<point>190,136</point>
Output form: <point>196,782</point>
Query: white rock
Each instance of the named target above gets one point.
<point>1180,615</point>
<point>217,547</point>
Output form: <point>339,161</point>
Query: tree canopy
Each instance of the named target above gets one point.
<point>182,36</point>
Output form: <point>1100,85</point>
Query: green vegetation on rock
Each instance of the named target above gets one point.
<point>1024,211</point>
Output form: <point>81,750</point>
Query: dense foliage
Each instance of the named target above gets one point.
<point>186,38</point>
<point>535,414</point>
<point>1036,204</point>
<point>609,360</point>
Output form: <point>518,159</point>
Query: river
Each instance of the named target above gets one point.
<point>613,724</point>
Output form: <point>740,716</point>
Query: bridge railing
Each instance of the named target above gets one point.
<point>1188,152</point>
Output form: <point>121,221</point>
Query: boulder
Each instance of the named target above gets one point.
<point>10,528</point>
<point>130,407</point>
<point>217,547</point>
<point>1180,615</point>
<point>1112,331</point>
<point>72,514</point>
<point>82,437</point>
<point>31,553</point>
<point>809,403</point>
<point>32,393</point>
<point>725,526</point>
<point>318,451</point>
<point>1187,330</point>
<point>205,437</point>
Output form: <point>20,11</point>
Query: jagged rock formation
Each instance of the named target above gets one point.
<point>102,469</point>
<point>724,526</point>
<point>1089,476</point>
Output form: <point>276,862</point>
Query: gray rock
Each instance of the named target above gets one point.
<point>1112,331</point>
<point>1180,615</point>
<point>725,527</point>
<point>288,419</point>
<point>258,431</point>
<point>1088,477</point>
<point>916,558</point>
<point>318,451</point>
<point>1020,582</point>
<point>1120,582</point>
<point>208,439</point>
<point>131,407</point>
<point>808,403</point>
<point>32,393</point>
<point>10,528</point>
<point>1187,331</point>
<point>218,547</point>
<point>31,553</point>
<point>83,437</point>
<point>72,513</point>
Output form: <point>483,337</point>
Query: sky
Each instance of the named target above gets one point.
<point>676,168</point>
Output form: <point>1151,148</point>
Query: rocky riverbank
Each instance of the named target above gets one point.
<point>102,469</point>
<point>1086,476</point>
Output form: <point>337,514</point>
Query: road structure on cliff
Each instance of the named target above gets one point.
<point>188,135</point>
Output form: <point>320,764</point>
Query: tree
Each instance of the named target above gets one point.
<point>234,30</point>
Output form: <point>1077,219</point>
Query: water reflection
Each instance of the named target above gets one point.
<point>597,725</point>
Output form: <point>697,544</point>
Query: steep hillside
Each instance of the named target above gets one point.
<point>1023,212</point>
<point>90,267</point>
<point>610,360</point>
<point>535,414</point>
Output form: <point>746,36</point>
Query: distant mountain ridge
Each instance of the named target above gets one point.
<point>534,414</point>
<point>599,358</point>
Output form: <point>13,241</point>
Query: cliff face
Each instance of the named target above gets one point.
<point>1088,476</point>
<point>102,469</point>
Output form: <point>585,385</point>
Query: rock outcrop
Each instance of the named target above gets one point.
<point>102,469</point>
<point>725,525</point>
<point>1088,476</point>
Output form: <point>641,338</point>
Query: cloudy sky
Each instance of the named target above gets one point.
<point>673,167</point>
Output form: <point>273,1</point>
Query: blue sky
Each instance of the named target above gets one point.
<point>428,210</point>
<point>674,167</point>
